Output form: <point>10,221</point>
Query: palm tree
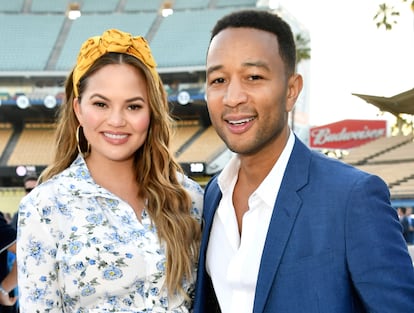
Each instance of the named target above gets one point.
<point>303,52</point>
<point>387,15</point>
<point>302,48</point>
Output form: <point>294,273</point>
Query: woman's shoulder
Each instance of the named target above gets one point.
<point>196,193</point>
<point>190,184</point>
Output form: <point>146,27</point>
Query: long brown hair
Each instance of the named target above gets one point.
<point>155,168</point>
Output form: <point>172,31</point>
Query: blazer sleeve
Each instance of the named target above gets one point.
<point>377,256</point>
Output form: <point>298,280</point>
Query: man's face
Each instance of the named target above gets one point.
<point>247,89</point>
<point>29,185</point>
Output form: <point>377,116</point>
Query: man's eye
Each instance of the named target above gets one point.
<point>255,77</point>
<point>217,81</point>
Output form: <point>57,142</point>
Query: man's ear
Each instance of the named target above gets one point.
<point>295,85</point>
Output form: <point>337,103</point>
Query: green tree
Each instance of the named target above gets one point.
<point>303,51</point>
<point>387,15</point>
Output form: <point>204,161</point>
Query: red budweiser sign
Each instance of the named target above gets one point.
<point>346,134</point>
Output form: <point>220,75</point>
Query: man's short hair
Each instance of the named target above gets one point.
<point>266,21</point>
<point>29,177</point>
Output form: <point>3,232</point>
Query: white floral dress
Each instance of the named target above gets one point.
<point>82,249</point>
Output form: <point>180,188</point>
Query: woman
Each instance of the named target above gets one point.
<point>114,225</point>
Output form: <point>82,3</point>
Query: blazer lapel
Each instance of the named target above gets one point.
<point>212,197</point>
<point>286,208</point>
<point>205,300</point>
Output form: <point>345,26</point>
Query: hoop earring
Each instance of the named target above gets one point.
<point>82,142</point>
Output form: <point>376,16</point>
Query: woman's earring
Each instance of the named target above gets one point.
<point>82,142</point>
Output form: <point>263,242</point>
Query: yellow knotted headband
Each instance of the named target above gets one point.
<point>112,40</point>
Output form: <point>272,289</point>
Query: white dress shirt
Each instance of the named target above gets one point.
<point>233,262</point>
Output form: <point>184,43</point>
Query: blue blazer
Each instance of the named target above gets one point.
<point>334,244</point>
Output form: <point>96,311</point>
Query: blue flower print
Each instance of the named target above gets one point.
<point>109,248</point>
<point>75,247</point>
<point>112,272</point>
<point>112,300</point>
<point>82,173</point>
<point>95,240</point>
<point>87,290</point>
<point>80,266</point>
<point>128,302</point>
<point>63,209</point>
<point>46,211</point>
<point>91,209</point>
<point>117,237</point>
<point>126,219</point>
<point>140,284</point>
<point>37,294</point>
<point>49,303</point>
<point>110,203</point>
<point>154,291</point>
<point>161,265</point>
<point>164,301</point>
<point>95,219</point>
<point>35,250</point>
<point>52,252</point>
<point>65,268</point>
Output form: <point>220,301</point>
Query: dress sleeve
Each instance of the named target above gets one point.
<point>36,255</point>
<point>196,194</point>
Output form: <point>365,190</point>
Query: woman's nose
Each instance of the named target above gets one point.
<point>116,118</point>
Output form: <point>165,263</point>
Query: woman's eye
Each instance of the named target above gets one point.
<point>133,107</point>
<point>99,104</point>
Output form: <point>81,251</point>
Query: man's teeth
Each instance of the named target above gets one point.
<point>241,121</point>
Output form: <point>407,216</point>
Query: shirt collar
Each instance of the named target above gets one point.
<point>269,187</point>
<point>78,180</point>
<point>228,176</point>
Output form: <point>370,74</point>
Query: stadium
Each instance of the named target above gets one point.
<point>40,44</point>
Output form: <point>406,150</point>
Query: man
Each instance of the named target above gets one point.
<point>29,183</point>
<point>9,251</point>
<point>406,223</point>
<point>288,229</point>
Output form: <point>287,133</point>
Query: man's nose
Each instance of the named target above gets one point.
<point>235,94</point>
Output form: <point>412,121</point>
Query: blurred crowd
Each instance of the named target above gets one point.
<point>8,267</point>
